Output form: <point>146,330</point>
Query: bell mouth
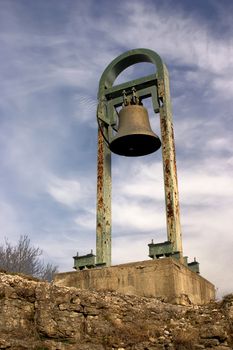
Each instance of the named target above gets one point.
<point>135,145</point>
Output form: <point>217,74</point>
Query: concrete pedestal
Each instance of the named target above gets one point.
<point>166,278</point>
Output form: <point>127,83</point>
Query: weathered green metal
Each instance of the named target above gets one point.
<point>164,249</point>
<point>169,165</point>
<point>103,225</point>
<point>157,250</point>
<point>145,87</point>
<point>109,96</point>
<point>84,261</point>
<point>194,266</point>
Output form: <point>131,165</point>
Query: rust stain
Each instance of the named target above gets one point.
<point>170,211</point>
<point>161,91</point>
<point>169,165</point>
<point>100,170</point>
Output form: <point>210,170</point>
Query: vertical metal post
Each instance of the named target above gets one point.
<point>169,166</point>
<point>103,224</point>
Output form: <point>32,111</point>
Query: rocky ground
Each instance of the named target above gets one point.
<point>41,316</point>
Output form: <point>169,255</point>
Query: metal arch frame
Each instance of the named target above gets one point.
<point>109,97</point>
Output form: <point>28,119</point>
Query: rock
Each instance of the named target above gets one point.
<point>220,347</point>
<point>214,331</point>
<point>38,315</point>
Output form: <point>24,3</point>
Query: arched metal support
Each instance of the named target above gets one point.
<point>109,96</point>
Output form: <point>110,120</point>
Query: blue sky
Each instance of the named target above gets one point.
<point>52,56</point>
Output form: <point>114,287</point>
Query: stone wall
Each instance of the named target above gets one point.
<point>41,316</point>
<point>162,278</point>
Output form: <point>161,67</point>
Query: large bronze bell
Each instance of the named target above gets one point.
<point>134,137</point>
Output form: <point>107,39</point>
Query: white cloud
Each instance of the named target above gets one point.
<point>70,192</point>
<point>198,184</point>
<point>179,39</point>
<point>87,220</point>
<point>67,192</point>
<point>129,216</point>
<point>49,82</point>
<point>183,39</point>
<point>127,249</point>
<point>141,180</point>
<point>9,221</point>
<point>224,86</point>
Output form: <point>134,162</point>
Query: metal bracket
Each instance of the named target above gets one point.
<point>113,97</point>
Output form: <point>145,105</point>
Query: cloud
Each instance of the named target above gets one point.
<point>86,220</point>
<point>71,192</point>
<point>9,221</point>
<point>51,62</point>
<point>216,186</point>
<point>185,40</point>
<point>67,192</point>
<point>138,217</point>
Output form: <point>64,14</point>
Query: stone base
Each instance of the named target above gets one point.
<point>165,278</point>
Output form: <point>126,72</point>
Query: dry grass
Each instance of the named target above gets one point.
<point>128,333</point>
<point>185,339</point>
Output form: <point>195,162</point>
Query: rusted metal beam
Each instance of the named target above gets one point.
<point>103,218</point>
<point>169,166</point>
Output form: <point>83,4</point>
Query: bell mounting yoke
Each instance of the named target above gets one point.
<point>110,97</point>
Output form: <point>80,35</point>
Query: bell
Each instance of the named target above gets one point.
<point>135,137</point>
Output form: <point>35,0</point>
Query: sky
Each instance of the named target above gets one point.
<point>53,53</point>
